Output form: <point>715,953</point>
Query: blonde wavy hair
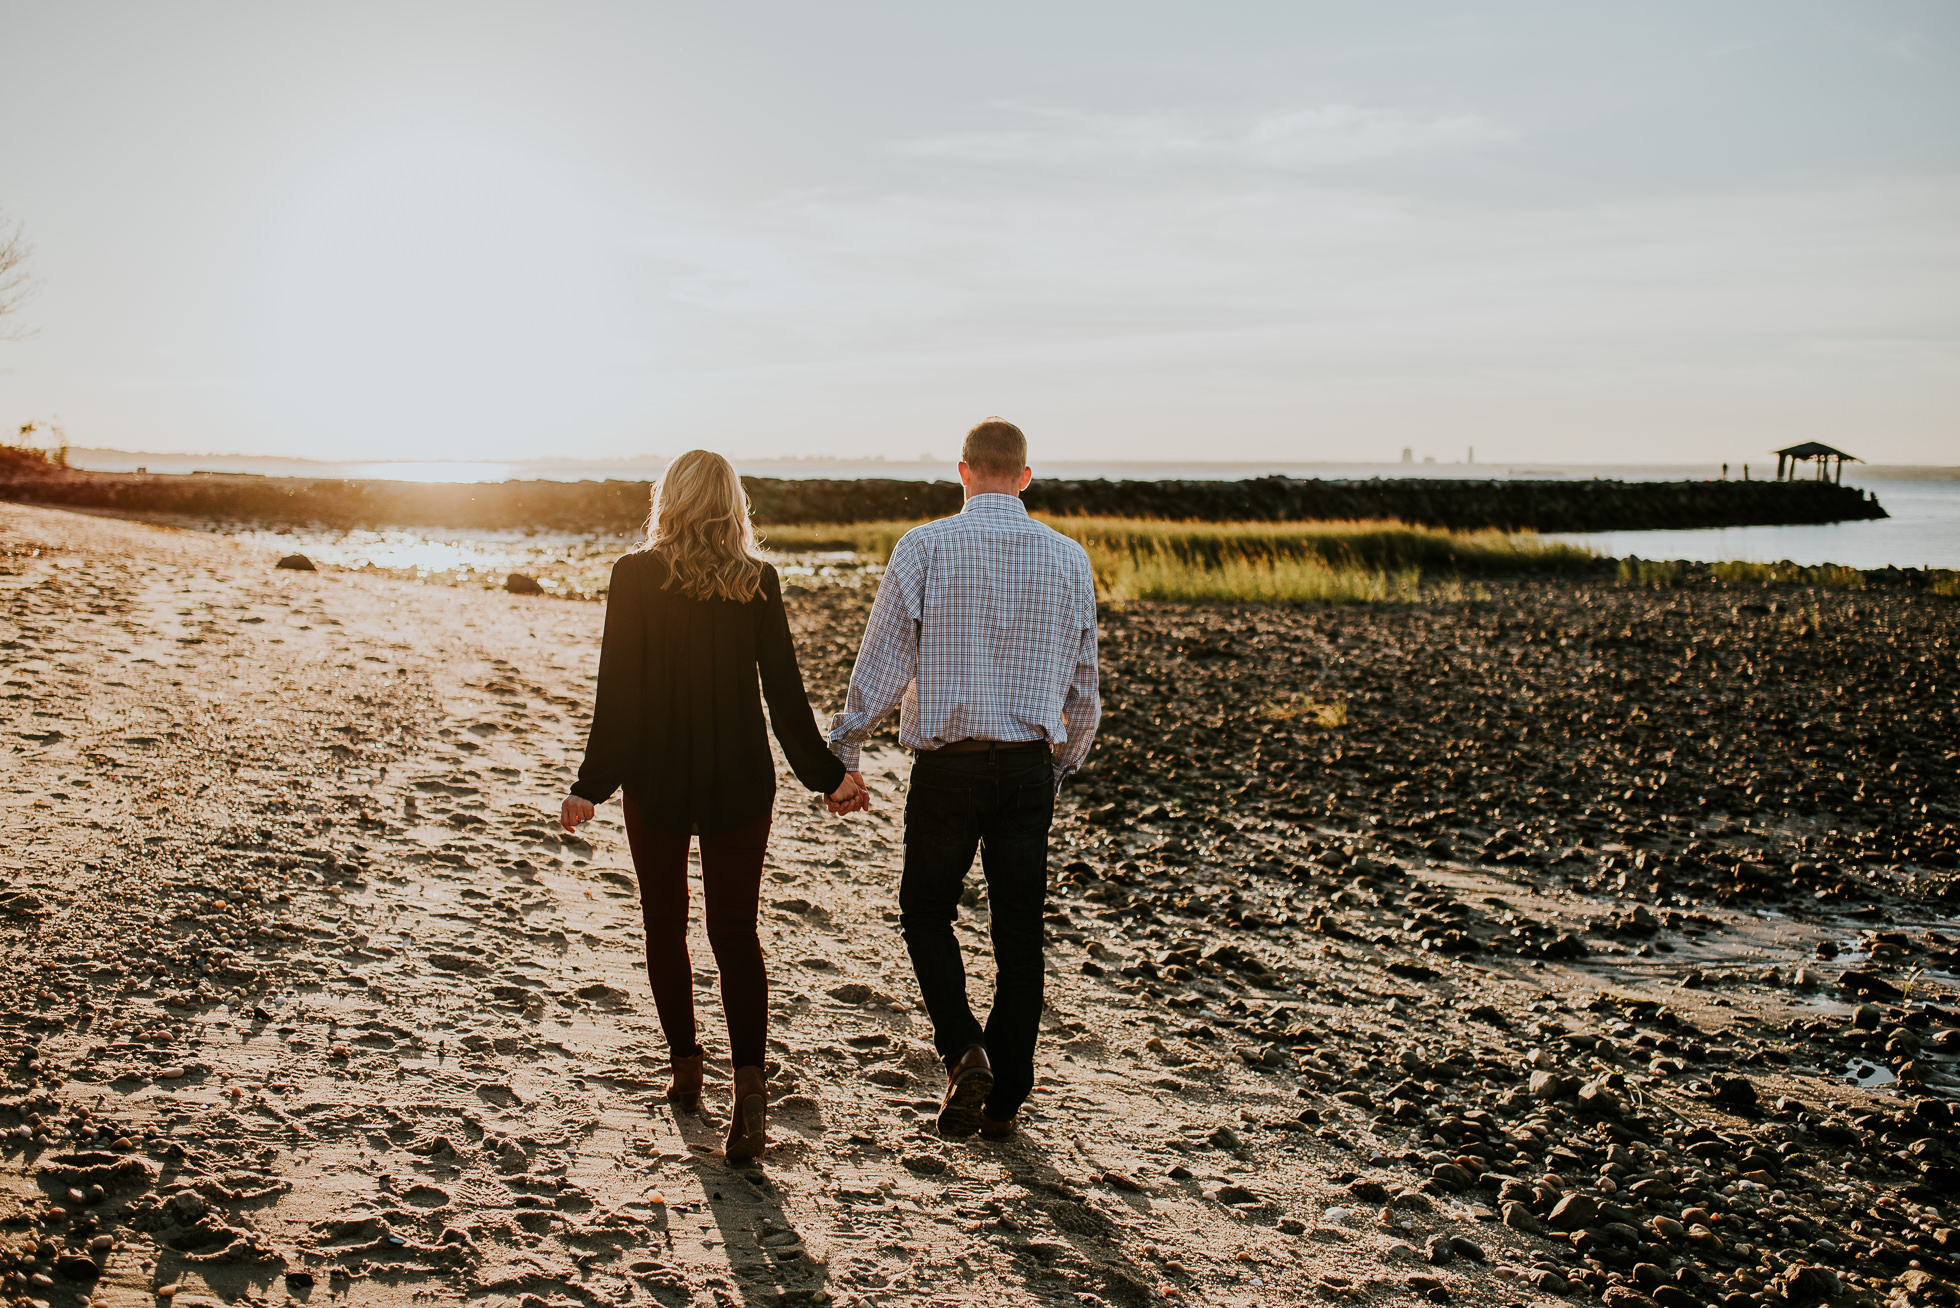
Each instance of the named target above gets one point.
<point>700,525</point>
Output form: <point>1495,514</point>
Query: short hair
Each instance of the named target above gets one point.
<point>995,447</point>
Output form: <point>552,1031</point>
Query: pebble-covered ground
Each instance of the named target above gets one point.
<point>1539,944</point>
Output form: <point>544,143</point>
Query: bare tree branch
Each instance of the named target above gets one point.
<point>16,285</point>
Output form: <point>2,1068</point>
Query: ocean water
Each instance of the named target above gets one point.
<point>1923,532</point>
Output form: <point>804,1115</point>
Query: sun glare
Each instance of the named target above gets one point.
<point>438,295</point>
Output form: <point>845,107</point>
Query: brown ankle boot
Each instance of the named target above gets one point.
<point>748,1123</point>
<point>685,1092</point>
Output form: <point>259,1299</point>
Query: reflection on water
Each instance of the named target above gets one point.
<point>573,564</point>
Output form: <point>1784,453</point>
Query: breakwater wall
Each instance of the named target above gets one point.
<point>621,505</point>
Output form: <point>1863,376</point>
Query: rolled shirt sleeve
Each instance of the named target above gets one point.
<point>888,660</point>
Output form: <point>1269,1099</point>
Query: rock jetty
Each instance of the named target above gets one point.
<point>1597,505</point>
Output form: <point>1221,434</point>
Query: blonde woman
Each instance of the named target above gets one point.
<point>691,619</point>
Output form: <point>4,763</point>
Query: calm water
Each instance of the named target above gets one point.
<point>1923,532</point>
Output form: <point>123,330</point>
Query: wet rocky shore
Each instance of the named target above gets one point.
<point>1535,505</point>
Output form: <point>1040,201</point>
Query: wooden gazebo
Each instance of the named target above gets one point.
<point>1830,462</point>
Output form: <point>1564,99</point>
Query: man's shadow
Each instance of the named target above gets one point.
<point>1096,1238</point>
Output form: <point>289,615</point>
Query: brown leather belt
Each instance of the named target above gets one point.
<point>986,746</point>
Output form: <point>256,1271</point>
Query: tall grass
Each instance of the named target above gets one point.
<point>1259,562</point>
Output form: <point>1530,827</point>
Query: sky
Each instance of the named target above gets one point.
<point>1302,231</point>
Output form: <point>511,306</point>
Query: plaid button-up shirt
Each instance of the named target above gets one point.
<point>984,629</point>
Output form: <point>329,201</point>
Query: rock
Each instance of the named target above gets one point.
<point>851,992</point>
<point>1237,1194</point>
<point>296,563</point>
<point>1122,1181</point>
<point>1467,1248</point>
<point>1547,1086</point>
<point>1803,1285</point>
<point>1337,1216</point>
<point>1400,1252</point>
<point>1670,1230</point>
<point>1550,1282</point>
<point>924,1164</point>
<point>1625,1296</point>
<point>1673,1296</point>
<point>518,583</point>
<point>1519,1217</point>
<point>1598,1099</point>
<point>1452,1176</point>
<point>1867,1017</point>
<point>1225,1138</point>
<point>1573,1212</point>
<point>1439,1250</point>
<point>1735,1093</point>
<point>74,1267</point>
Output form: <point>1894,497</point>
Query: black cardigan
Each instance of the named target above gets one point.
<point>678,723</point>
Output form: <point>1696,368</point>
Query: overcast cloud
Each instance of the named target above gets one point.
<point>1256,231</point>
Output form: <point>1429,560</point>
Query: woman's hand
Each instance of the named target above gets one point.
<point>851,797</point>
<point>574,811</point>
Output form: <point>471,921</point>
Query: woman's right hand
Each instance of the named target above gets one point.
<point>574,811</point>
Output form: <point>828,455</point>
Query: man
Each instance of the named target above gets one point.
<point>985,630</point>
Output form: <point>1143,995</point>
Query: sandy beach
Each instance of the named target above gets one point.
<point>1513,948</point>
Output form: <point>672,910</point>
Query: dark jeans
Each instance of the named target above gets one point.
<point>1001,806</point>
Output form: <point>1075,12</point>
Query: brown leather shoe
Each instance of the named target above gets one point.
<point>748,1123</point>
<point>992,1130</point>
<point>685,1092</point>
<point>967,1087</point>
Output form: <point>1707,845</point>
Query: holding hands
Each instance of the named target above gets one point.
<point>851,797</point>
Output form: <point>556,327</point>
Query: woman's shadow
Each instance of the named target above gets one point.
<point>764,1250</point>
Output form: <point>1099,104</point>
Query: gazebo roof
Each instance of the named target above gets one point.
<point>1817,450</point>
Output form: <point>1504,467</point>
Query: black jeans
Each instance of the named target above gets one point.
<point>1002,806</point>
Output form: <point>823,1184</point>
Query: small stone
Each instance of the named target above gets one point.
<point>1597,1098</point>
<point>1400,1252</point>
<point>1453,1176</point>
<point>292,563</point>
<point>1547,1086</point>
<point>1573,1212</point>
<point>1735,1093</point>
<point>1439,1250</point>
<point>1669,1230</point>
<point>517,583</point>
<point>1467,1248</point>
<point>1519,1217</point>
<point>1625,1296</point>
